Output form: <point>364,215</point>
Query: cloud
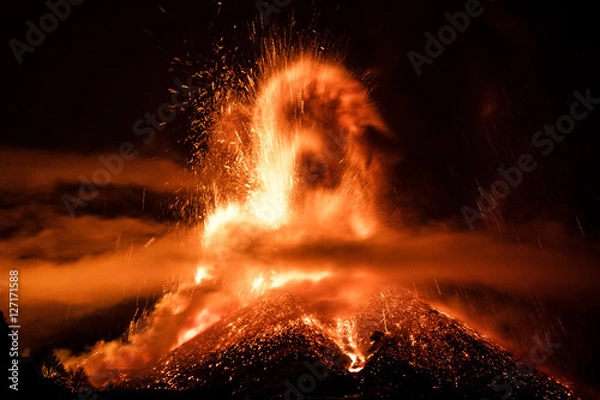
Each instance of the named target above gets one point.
<point>42,171</point>
<point>104,256</point>
<point>71,268</point>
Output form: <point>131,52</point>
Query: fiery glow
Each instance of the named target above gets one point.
<point>289,276</point>
<point>202,274</point>
<point>345,336</point>
<point>308,174</point>
<point>258,283</point>
<point>306,163</point>
<point>202,321</point>
<point>273,280</point>
<point>287,164</point>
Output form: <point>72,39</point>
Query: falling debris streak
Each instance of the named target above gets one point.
<point>580,228</point>
<point>437,286</point>
<point>68,312</point>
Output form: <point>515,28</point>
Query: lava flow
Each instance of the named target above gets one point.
<point>308,175</point>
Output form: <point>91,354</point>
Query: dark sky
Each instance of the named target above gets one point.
<point>109,63</point>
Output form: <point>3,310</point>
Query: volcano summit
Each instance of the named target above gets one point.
<point>275,348</point>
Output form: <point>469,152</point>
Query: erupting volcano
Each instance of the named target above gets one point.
<point>285,301</point>
<point>278,199</point>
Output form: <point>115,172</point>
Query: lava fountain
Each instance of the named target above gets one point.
<point>303,173</point>
<point>309,175</point>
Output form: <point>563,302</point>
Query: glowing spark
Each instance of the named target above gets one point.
<point>344,336</point>
<point>201,322</point>
<point>289,276</point>
<point>258,282</point>
<point>202,274</point>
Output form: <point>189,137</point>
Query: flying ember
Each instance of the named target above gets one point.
<point>300,145</point>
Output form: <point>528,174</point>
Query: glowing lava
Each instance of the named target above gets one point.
<point>202,274</point>
<point>287,163</point>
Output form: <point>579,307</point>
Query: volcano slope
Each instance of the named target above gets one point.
<point>276,349</point>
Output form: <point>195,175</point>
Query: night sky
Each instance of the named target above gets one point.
<point>106,65</point>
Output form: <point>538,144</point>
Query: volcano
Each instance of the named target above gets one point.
<point>275,348</point>
<point>284,303</point>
